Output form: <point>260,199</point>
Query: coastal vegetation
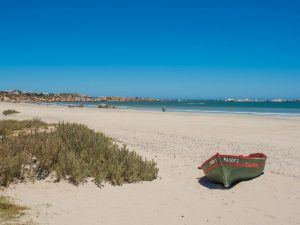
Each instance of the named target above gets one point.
<point>9,112</point>
<point>10,211</point>
<point>69,151</point>
<point>8,127</point>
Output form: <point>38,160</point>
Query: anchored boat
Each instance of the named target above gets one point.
<point>228,169</point>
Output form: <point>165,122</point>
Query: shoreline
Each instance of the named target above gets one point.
<point>183,112</point>
<point>187,111</point>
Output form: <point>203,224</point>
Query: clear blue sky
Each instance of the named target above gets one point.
<point>184,49</point>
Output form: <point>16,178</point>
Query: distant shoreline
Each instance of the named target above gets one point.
<point>21,96</point>
<point>158,110</point>
<point>207,107</point>
<point>274,107</point>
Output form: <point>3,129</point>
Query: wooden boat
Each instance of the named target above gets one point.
<point>229,169</point>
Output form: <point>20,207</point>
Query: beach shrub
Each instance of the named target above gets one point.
<point>9,112</point>
<point>9,210</point>
<point>73,152</point>
<point>7,127</point>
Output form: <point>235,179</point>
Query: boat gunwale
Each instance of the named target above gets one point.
<point>250,156</point>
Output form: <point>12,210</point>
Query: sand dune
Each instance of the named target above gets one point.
<point>179,142</point>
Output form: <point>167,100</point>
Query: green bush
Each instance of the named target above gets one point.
<point>9,112</point>
<point>73,152</point>
<point>7,127</point>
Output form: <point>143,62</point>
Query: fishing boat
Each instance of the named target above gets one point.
<point>229,169</point>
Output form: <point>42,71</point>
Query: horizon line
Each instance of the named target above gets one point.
<point>159,98</point>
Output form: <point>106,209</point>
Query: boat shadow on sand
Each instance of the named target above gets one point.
<point>212,185</point>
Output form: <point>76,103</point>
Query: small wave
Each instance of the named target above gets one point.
<point>240,112</point>
<point>123,107</point>
<point>195,103</point>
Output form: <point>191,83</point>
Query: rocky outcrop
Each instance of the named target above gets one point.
<point>105,106</point>
<point>31,97</point>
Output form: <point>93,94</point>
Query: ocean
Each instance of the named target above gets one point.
<point>206,106</point>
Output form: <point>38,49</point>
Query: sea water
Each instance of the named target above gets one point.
<point>206,106</point>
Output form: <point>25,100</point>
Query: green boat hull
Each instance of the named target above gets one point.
<point>229,169</point>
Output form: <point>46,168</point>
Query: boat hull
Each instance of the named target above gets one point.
<point>229,169</point>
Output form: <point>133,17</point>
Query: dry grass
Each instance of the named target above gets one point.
<point>7,127</point>
<point>71,151</point>
<point>9,112</point>
<point>10,211</point>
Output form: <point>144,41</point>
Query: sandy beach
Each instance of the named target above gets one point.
<point>178,142</point>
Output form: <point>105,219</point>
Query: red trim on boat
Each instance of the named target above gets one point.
<point>213,166</point>
<point>250,165</point>
<point>251,156</point>
<point>211,158</point>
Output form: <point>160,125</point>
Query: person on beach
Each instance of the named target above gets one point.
<point>163,109</point>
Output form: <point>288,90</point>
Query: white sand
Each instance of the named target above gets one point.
<point>179,143</point>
